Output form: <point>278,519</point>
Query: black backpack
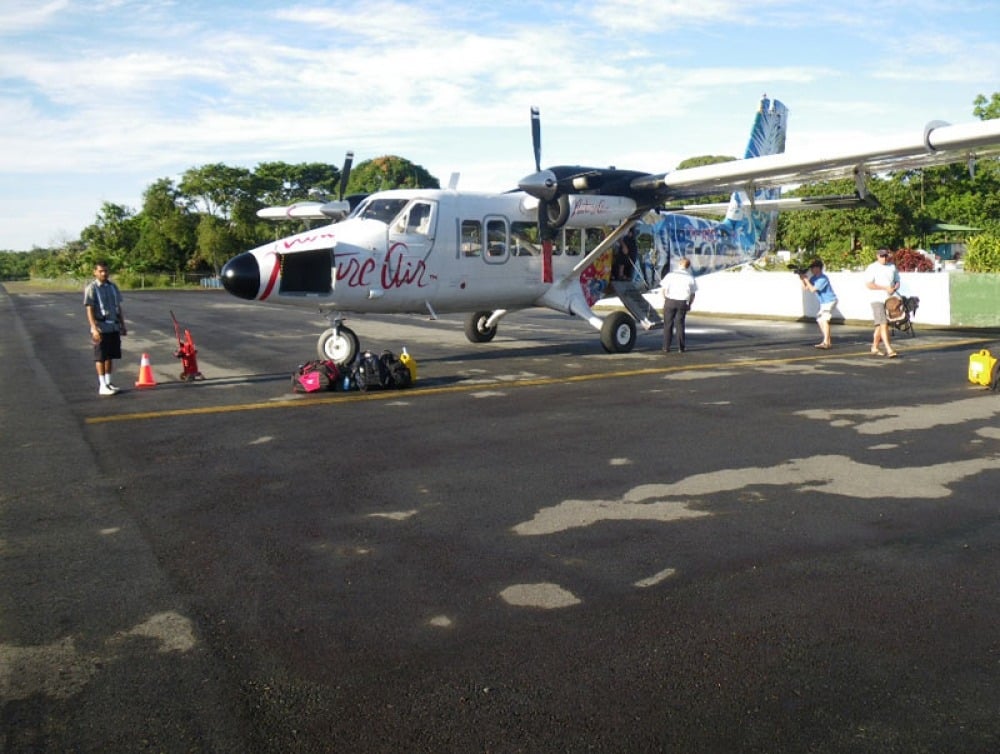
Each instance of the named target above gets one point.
<point>369,372</point>
<point>398,375</point>
<point>316,376</point>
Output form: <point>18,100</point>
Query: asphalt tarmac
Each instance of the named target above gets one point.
<point>753,546</point>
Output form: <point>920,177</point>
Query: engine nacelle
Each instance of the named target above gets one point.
<point>582,210</point>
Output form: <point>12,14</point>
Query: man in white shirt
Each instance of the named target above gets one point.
<point>679,288</point>
<point>882,279</point>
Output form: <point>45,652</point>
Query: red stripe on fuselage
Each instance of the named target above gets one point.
<point>275,268</point>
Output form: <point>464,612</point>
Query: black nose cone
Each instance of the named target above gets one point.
<point>241,276</point>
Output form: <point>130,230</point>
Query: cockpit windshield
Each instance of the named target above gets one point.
<point>383,210</point>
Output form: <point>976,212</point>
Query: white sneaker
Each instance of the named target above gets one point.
<point>106,390</point>
<point>114,388</point>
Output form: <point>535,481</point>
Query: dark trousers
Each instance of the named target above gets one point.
<point>674,311</point>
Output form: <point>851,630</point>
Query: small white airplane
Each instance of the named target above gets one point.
<point>549,243</point>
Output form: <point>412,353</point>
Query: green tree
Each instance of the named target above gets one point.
<point>282,183</point>
<point>167,230</point>
<point>111,238</point>
<point>229,197</point>
<point>14,265</point>
<point>986,109</point>
<point>389,172</point>
<point>983,253</point>
<point>214,189</point>
<point>216,243</point>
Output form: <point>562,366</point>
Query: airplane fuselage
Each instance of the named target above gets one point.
<point>424,250</point>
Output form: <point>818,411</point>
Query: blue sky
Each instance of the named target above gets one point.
<point>102,98</point>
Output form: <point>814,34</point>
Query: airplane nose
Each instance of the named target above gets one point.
<point>241,276</point>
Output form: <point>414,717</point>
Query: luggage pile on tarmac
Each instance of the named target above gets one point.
<point>369,371</point>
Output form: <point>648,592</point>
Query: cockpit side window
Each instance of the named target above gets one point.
<point>383,210</point>
<point>416,220</point>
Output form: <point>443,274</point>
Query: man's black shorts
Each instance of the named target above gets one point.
<point>109,348</point>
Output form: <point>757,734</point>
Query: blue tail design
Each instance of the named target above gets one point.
<point>745,233</point>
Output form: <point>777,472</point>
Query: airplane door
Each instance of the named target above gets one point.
<point>411,234</point>
<point>410,242</point>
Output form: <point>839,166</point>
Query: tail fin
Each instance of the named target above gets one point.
<point>768,133</point>
<point>766,137</point>
<point>752,228</point>
<point>745,233</point>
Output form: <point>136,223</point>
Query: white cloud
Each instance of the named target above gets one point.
<point>148,88</point>
<point>19,16</point>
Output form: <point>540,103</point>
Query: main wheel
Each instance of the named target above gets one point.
<point>476,330</point>
<point>618,333</point>
<point>340,345</point>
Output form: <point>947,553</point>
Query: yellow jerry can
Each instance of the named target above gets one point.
<point>410,363</point>
<point>982,368</point>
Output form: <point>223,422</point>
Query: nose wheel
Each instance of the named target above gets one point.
<point>339,344</point>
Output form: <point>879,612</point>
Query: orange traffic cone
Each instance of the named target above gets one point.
<point>145,373</point>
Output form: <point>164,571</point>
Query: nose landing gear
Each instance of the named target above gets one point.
<point>339,344</point>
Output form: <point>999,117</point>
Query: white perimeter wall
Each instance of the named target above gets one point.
<point>780,294</point>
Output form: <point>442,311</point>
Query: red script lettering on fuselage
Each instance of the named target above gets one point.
<point>291,243</point>
<point>398,271</point>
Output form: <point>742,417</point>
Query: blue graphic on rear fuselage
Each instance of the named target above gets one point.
<point>745,233</point>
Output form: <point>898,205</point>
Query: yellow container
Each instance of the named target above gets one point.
<point>410,363</point>
<point>982,368</point>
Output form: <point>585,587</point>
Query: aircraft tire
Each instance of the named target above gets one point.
<point>618,333</point>
<point>476,330</point>
<point>340,346</point>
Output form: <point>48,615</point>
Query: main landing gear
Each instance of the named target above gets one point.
<point>618,330</point>
<point>618,333</point>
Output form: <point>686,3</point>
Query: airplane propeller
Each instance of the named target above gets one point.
<point>338,210</point>
<point>543,185</point>
<point>536,138</point>
<point>345,174</point>
<point>553,186</point>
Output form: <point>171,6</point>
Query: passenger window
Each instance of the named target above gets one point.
<point>524,239</point>
<point>592,238</point>
<point>571,241</point>
<point>496,238</point>
<point>472,238</point>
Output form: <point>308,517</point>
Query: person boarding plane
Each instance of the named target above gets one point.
<point>446,251</point>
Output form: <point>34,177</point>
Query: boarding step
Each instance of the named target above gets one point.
<point>637,304</point>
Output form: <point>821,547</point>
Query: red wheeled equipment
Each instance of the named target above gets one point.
<point>187,353</point>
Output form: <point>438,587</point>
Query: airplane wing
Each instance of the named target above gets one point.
<point>784,204</point>
<point>336,210</point>
<point>938,145</point>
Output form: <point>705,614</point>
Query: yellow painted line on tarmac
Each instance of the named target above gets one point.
<point>354,397</point>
